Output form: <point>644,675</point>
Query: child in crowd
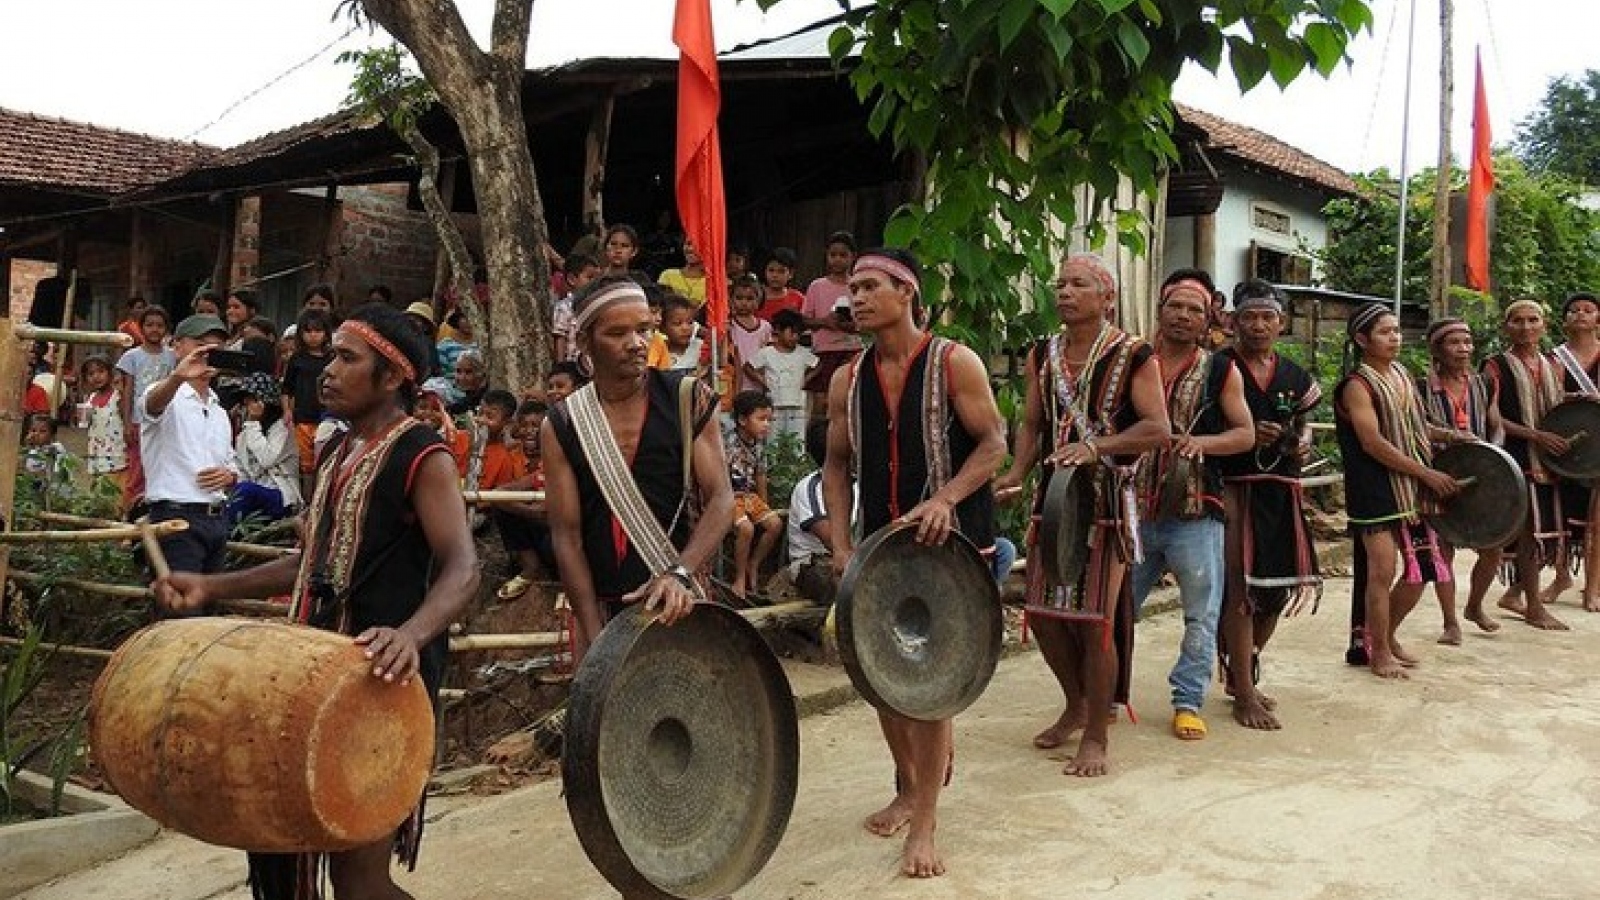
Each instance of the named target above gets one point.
<point>108,448</point>
<point>779,295</point>
<point>747,467</point>
<point>286,348</point>
<point>302,377</point>
<point>780,369</point>
<point>269,460</point>
<point>564,378</point>
<point>47,464</point>
<point>690,281</point>
<point>580,270</point>
<point>320,297</point>
<point>747,332</point>
<point>207,302</point>
<point>491,462</point>
<point>137,370</point>
<point>687,345</point>
<point>523,527</point>
<point>827,313</point>
<point>738,261</point>
<point>621,246</point>
<point>810,560</point>
<point>431,412</point>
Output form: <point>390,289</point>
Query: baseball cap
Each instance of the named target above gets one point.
<point>422,309</point>
<point>200,325</point>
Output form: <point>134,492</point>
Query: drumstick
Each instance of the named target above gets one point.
<point>1576,437</point>
<point>152,550</point>
<point>1466,482</point>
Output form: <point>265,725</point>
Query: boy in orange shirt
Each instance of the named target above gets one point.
<point>523,527</point>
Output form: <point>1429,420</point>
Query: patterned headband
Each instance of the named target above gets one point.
<point>1363,318</point>
<point>604,299</point>
<point>1520,304</point>
<point>1444,328</point>
<point>889,266</point>
<point>1258,301</point>
<point>1186,287</point>
<point>381,344</point>
<point>1092,265</point>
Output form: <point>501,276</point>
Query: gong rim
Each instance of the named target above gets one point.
<point>1582,462</point>
<point>1474,529</point>
<point>1068,502</point>
<point>901,650</point>
<point>643,804</point>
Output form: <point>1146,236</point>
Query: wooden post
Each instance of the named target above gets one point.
<point>13,370</point>
<point>1439,293</point>
<point>1205,243</point>
<point>595,145</point>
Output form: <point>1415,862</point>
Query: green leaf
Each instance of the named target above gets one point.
<point>1354,15</point>
<point>902,226</point>
<point>1014,16</point>
<point>1286,63</point>
<point>1112,7</point>
<point>840,43</point>
<point>1248,61</point>
<point>1133,42</point>
<point>1058,8</point>
<point>1327,47</point>
<point>1059,38</point>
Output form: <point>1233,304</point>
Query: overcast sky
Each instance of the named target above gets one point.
<point>176,68</point>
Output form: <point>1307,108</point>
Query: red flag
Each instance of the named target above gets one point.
<point>701,204</point>
<point>1480,185</point>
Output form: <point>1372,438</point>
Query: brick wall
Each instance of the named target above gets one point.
<point>384,242</point>
<point>25,273</point>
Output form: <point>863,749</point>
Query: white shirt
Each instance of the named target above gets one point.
<point>271,458</point>
<point>785,373</point>
<point>807,508</point>
<point>191,434</point>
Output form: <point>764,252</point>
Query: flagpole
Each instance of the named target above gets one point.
<point>1405,172</point>
<point>1439,294</point>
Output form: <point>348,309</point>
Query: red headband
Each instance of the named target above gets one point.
<point>1094,267</point>
<point>1185,288</point>
<point>889,266</point>
<point>382,345</point>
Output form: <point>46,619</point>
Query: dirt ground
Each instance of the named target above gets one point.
<point>1478,778</point>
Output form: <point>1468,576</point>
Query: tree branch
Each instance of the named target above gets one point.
<point>437,38</point>
<point>508,40</point>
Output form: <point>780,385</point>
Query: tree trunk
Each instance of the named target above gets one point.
<point>482,91</point>
<point>1439,296</point>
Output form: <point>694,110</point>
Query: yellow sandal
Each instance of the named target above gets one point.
<point>1188,726</point>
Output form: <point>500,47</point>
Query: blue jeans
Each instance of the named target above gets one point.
<point>1192,550</point>
<point>1004,557</point>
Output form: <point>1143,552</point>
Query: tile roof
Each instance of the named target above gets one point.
<point>1264,151</point>
<point>45,152</point>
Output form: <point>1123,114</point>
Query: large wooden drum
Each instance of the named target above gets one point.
<point>263,736</point>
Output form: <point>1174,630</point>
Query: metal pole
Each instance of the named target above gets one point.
<point>1405,172</point>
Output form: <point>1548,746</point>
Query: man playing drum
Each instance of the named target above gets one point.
<point>616,472</point>
<point>1384,440</point>
<point>915,419</point>
<point>387,557</point>
<point>1180,489</point>
<point>1271,559</point>
<point>1579,357</point>
<point>1093,399</point>
<point>1460,399</point>
<point>1529,384</point>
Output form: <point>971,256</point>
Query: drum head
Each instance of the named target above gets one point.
<point>682,754</point>
<point>1570,418</point>
<point>919,627</point>
<point>1064,521</point>
<point>1489,512</point>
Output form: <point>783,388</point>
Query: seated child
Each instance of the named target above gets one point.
<point>431,412</point>
<point>523,526</point>
<point>45,461</point>
<point>747,467</point>
<point>267,454</point>
<point>564,378</point>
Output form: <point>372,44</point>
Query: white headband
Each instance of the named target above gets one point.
<point>604,298</point>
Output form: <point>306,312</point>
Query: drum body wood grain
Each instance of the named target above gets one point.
<point>262,736</point>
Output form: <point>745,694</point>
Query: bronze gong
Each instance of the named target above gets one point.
<point>682,754</point>
<point>1491,507</point>
<point>1065,518</point>
<point>1577,420</point>
<point>919,626</point>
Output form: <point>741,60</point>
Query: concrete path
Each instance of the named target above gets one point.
<point>1479,778</point>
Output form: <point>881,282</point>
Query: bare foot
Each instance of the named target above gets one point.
<point>1451,635</point>
<point>921,858</point>
<point>889,821</point>
<point>1591,604</point>
<point>1543,620</point>
<point>1555,590</point>
<point>1266,701</point>
<point>1252,712</point>
<point>1483,621</point>
<point>1405,658</point>
<point>1058,734</point>
<point>1090,761</point>
<point>1512,602</point>
<point>1387,666</point>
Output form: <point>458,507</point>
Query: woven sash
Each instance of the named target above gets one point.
<point>616,481</point>
<point>1569,361</point>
